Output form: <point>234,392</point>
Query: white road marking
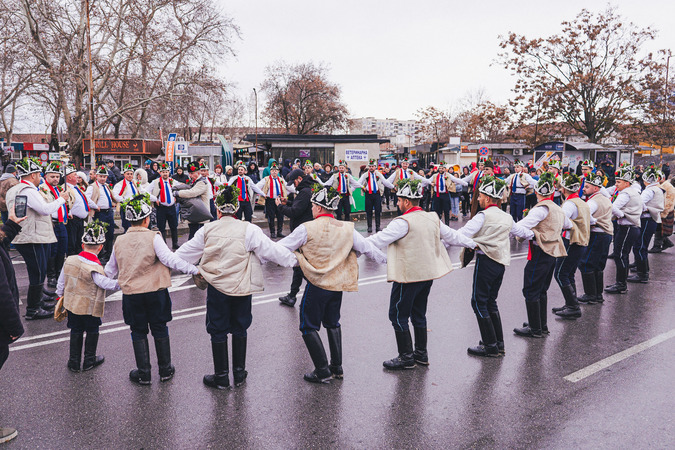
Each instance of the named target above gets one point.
<point>618,357</point>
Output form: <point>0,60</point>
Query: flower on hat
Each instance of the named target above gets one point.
<point>192,167</point>
<point>94,232</point>
<point>309,163</point>
<point>102,170</point>
<point>587,163</point>
<point>128,167</point>
<point>492,187</point>
<point>625,173</point>
<point>27,166</point>
<point>545,185</point>
<point>54,167</point>
<point>595,179</point>
<point>164,166</point>
<point>571,182</point>
<point>137,208</point>
<point>372,162</point>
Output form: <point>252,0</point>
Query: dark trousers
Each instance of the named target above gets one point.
<point>538,274</point>
<point>273,215</point>
<point>487,279</point>
<point>107,216</point>
<point>245,210</point>
<point>149,309</point>
<point>373,201</point>
<point>566,266</point>
<point>4,353</point>
<point>441,205</point>
<point>60,247</point>
<point>319,306</point>
<point>517,206</point>
<point>193,227</point>
<point>75,227</point>
<point>344,207</point>
<point>466,203</point>
<point>625,238</point>
<point>388,195</point>
<point>212,208</point>
<point>81,323</point>
<point>167,214</point>
<point>641,245</point>
<point>296,281</point>
<point>227,314</point>
<point>409,301</point>
<point>594,258</point>
<point>557,200</point>
<point>530,201</point>
<point>125,223</point>
<point>35,257</point>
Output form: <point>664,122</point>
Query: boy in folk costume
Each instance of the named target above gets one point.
<point>415,257</point>
<point>442,184</point>
<point>403,173</point>
<point>326,250</point>
<point>665,228</point>
<point>101,194</point>
<point>576,240</point>
<point>373,183</point>
<point>142,263</point>
<point>124,190</point>
<point>273,187</point>
<point>83,284</point>
<point>204,172</point>
<point>544,223</point>
<point>246,188</point>
<point>592,264</point>
<point>486,169</point>
<point>51,191</point>
<point>160,192</point>
<point>490,229</point>
<point>230,251</point>
<point>518,185</point>
<point>344,184</point>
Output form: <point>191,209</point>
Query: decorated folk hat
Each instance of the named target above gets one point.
<point>546,184</point>
<point>595,179</point>
<point>625,174</point>
<point>555,163</point>
<point>492,187</point>
<point>651,174</point>
<point>308,163</point>
<point>204,166</point>
<point>69,169</point>
<point>482,160</point>
<point>192,167</point>
<point>54,167</point>
<point>128,167</point>
<point>404,160</point>
<point>27,166</point>
<point>94,232</point>
<point>164,167</point>
<point>102,170</point>
<point>409,188</point>
<point>571,182</point>
<point>137,208</point>
<point>488,163</point>
<point>274,166</point>
<point>519,163</point>
<point>227,199</point>
<point>372,162</point>
<point>587,163</point>
<point>342,162</point>
<point>239,164</point>
<point>326,197</point>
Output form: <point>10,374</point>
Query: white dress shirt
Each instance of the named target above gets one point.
<point>411,173</point>
<point>104,202</point>
<point>621,200</point>
<point>398,228</point>
<point>536,215</point>
<point>36,202</point>
<point>647,195</point>
<point>353,182</point>
<point>170,199</point>
<point>474,225</point>
<point>249,183</point>
<point>79,209</point>
<point>378,177</point>
<point>101,281</point>
<point>519,188</point>
<point>130,190</point>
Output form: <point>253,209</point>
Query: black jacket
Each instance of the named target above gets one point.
<point>10,319</point>
<point>300,209</point>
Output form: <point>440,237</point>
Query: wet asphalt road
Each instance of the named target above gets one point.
<point>520,401</point>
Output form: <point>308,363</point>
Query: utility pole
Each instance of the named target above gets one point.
<point>256,121</point>
<point>665,109</point>
<point>92,141</point>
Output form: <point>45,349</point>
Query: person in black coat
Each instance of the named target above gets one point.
<point>180,175</point>
<point>114,174</point>
<point>299,211</point>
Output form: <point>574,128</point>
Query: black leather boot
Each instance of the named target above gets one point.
<point>370,224</point>
<point>75,352</point>
<point>273,233</point>
<point>280,230</point>
<point>620,286</point>
<point>642,275</point>
<point>488,345</point>
<point>141,375</point>
<point>405,359</point>
<point>571,310</point>
<point>499,331</point>
<point>543,314</point>
<point>174,240</point>
<point>34,309</point>
<point>658,245</point>
<point>420,354</point>
<point>667,243</point>
<point>51,273</point>
<point>220,379</point>
<point>377,224</point>
<point>590,288</point>
<point>321,373</point>
<point>532,328</point>
<point>288,300</point>
<point>90,358</point>
<point>335,346</point>
<point>163,349</point>
<point>239,360</point>
<point>599,284</point>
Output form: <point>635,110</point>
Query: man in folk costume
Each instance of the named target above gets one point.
<point>37,234</point>
<point>326,250</point>
<point>372,182</point>
<point>204,172</point>
<point>142,263</point>
<point>83,284</point>
<point>518,185</point>
<point>101,194</point>
<point>665,228</point>
<point>554,167</point>
<point>626,209</point>
<point>310,172</point>
<point>51,191</point>
<point>124,190</point>
<point>592,263</point>
<point>230,251</point>
<point>490,229</point>
<point>473,180</point>
<point>344,184</point>
<point>653,202</point>
<point>246,188</point>
<point>545,223</point>
<point>199,187</point>
<point>273,187</point>
<point>160,190</point>
<point>403,173</point>
<point>416,256</point>
<point>576,239</point>
<point>78,211</point>
<point>443,183</point>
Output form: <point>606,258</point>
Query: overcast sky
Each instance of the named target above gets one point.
<point>394,57</point>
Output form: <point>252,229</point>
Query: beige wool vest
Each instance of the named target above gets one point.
<point>548,232</point>
<point>669,198</point>
<point>81,296</point>
<point>336,182</point>
<point>581,226</point>
<point>633,209</point>
<point>226,264</point>
<point>656,205</point>
<point>603,215</point>
<point>139,268</point>
<point>419,255</point>
<point>493,237</point>
<point>327,259</point>
<point>267,185</point>
<point>36,229</point>
<point>449,184</point>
